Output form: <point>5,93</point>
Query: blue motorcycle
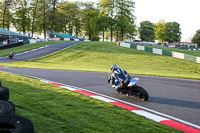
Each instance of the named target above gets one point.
<point>133,90</point>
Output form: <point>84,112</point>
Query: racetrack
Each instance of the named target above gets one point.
<point>38,53</point>
<point>175,97</point>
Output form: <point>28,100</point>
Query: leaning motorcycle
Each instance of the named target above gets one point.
<point>10,56</point>
<point>133,89</point>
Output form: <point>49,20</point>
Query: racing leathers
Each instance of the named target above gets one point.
<point>120,75</point>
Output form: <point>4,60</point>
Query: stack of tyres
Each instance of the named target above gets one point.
<point>9,122</point>
<point>6,108</point>
<point>15,124</point>
<point>4,93</point>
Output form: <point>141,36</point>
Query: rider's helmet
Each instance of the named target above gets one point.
<point>11,52</point>
<point>114,67</point>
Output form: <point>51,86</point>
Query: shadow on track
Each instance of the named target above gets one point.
<point>175,102</point>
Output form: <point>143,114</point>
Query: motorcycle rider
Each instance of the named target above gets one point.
<point>11,55</point>
<point>121,75</point>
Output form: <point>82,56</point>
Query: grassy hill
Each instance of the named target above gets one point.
<point>99,56</point>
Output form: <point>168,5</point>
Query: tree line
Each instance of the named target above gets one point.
<point>111,19</point>
<point>162,31</point>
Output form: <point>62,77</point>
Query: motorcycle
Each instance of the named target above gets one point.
<point>132,89</point>
<point>10,56</point>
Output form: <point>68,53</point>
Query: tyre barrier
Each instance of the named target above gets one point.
<point>9,122</point>
<point>15,124</point>
<point>6,108</point>
<point>4,93</point>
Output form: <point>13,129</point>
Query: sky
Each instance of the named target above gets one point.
<point>184,12</point>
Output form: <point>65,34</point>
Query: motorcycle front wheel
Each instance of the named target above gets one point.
<point>141,93</point>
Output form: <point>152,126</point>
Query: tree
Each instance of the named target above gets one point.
<point>108,12</point>
<point>120,18</point>
<point>173,32</point>
<point>6,6</point>
<point>6,14</point>
<point>70,17</point>
<point>64,12</point>
<point>160,32</point>
<point>131,31</point>
<point>43,17</point>
<point>22,16</point>
<point>196,38</point>
<point>9,19</point>
<point>103,24</point>
<point>125,18</point>
<point>34,4</point>
<point>147,31</point>
<point>37,16</point>
<point>53,5</point>
<point>90,18</point>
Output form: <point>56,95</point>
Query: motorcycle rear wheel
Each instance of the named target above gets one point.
<point>141,93</point>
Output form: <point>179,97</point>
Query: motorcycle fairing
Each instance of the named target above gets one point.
<point>133,82</point>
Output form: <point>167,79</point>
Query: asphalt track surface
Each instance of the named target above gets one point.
<point>40,52</point>
<point>178,98</point>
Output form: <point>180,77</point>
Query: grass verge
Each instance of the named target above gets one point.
<point>56,110</point>
<point>99,56</point>
<point>23,48</point>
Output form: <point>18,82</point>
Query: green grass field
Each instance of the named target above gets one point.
<point>27,47</point>
<point>99,56</point>
<point>56,110</point>
<point>194,53</point>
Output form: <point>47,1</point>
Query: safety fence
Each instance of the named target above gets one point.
<point>161,52</point>
<point>185,45</point>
